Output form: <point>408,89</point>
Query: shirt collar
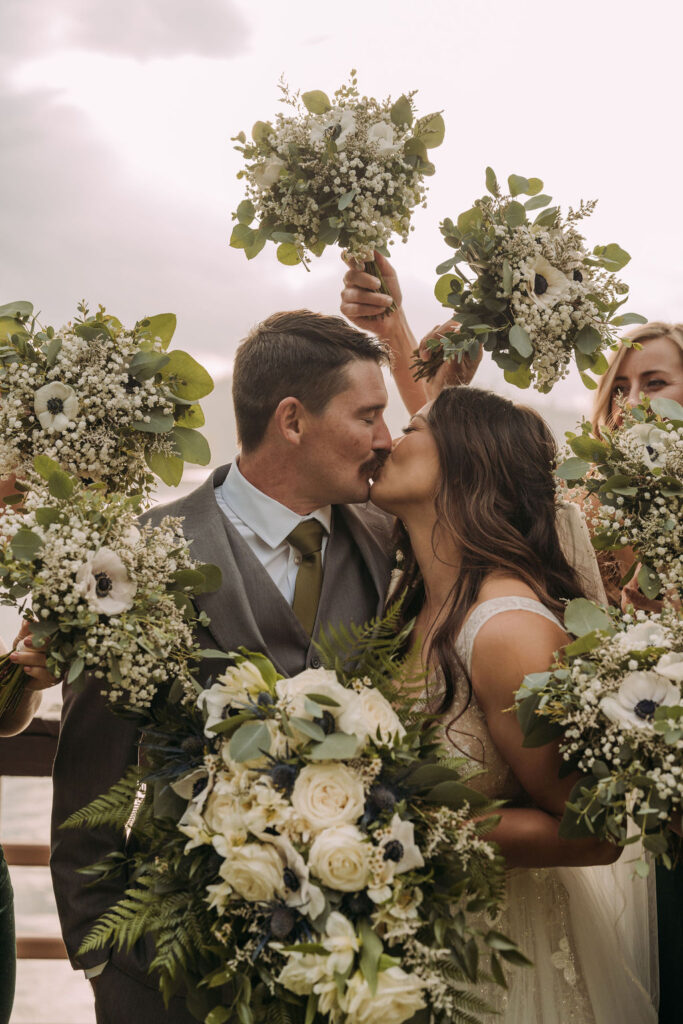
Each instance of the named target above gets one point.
<point>270,520</point>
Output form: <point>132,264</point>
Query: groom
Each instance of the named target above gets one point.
<point>298,550</point>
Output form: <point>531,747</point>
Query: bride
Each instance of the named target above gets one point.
<point>471,482</point>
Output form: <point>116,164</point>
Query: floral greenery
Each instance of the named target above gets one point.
<point>615,698</point>
<point>346,171</point>
<point>108,403</point>
<point>535,296</point>
<point>103,596</point>
<point>304,853</point>
<point>635,472</point>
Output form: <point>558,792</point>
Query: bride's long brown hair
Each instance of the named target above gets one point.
<point>496,498</point>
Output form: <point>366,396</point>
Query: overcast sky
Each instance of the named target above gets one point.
<point>118,174</point>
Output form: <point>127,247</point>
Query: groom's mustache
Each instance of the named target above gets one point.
<point>373,466</point>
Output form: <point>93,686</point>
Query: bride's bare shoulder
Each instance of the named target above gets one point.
<point>503,585</point>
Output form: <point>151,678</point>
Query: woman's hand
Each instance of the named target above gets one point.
<point>363,303</point>
<point>32,660</point>
<point>452,373</point>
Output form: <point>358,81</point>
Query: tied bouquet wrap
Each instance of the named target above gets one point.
<point>614,697</point>
<point>305,854</point>
<point>347,171</point>
<point>524,285</point>
<point>103,594</point>
<point>109,404</point>
<point>635,474</point>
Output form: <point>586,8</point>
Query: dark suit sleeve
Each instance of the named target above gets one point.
<point>95,749</point>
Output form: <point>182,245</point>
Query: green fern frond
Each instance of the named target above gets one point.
<point>112,809</point>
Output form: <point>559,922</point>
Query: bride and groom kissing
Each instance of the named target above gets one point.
<point>468,493</point>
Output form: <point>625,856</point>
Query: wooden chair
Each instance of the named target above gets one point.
<point>31,753</point>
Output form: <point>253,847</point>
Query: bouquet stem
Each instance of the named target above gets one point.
<point>13,681</point>
<point>371,267</point>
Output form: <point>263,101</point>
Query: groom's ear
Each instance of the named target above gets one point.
<point>289,420</point>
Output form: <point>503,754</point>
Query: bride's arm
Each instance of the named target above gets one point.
<point>508,647</point>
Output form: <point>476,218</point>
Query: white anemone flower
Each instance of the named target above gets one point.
<point>545,283</point>
<point>336,124</point>
<point>653,442</point>
<point>382,134</point>
<point>55,405</point>
<point>400,848</point>
<point>265,175</point>
<point>637,699</point>
<point>671,666</point>
<point>105,583</point>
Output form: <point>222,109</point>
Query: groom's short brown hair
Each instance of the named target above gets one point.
<point>301,354</point>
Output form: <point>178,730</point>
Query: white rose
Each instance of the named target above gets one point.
<point>369,713</point>
<point>546,284</point>
<point>222,814</point>
<point>104,583</point>
<point>653,442</point>
<point>638,697</point>
<point>382,134</point>
<point>328,794</point>
<point>340,858</point>
<point>671,666</point>
<point>398,997</point>
<point>265,175</point>
<point>293,692</point>
<point>254,872</point>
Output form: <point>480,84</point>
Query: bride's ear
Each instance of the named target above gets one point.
<point>289,420</point>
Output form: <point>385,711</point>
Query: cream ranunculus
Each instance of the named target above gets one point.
<point>238,684</point>
<point>266,174</point>
<point>398,997</point>
<point>638,697</point>
<point>328,794</point>
<point>653,442</point>
<point>671,666</point>
<point>340,858</point>
<point>254,871</point>
<point>341,942</point>
<point>368,714</point>
<point>302,971</point>
<point>382,134</point>
<point>222,813</point>
<point>55,405</point>
<point>545,283</point>
<point>104,582</point>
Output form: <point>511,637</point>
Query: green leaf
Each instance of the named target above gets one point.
<point>537,730</point>
<point>588,340</point>
<point>584,644</point>
<point>60,485</point>
<point>572,469</point>
<point>588,448</point>
<point>507,277</point>
<point>186,377</point>
<point>535,186</point>
<point>520,341</point>
<point>213,578</point>
<point>260,239</point>
<point>583,616</point>
<point>25,544</point>
<point>612,257</point>
<point>469,220</point>
<point>667,408</point>
<point>454,794</point>
<point>547,217</point>
<point>336,747</point>
<point>316,102</point>
<point>536,202</point>
<point>288,254</point>
<point>308,728</point>
<point>518,185</point>
<point>76,669</point>
<point>159,423</point>
<point>444,287</point>
<point>261,131</point>
<point>401,112</point>
<point>145,364</point>
<point>168,468</point>
<point>521,377</point>
<point>159,328</point>
<point>53,350</point>
<point>245,212</point>
<point>371,951</point>
<point>251,740</point>
<point>492,182</point>
<point>649,582</point>
<point>14,309</point>
<point>242,236</point>
<point>430,130</point>
<point>191,446</point>
<point>415,147</point>
<point>346,199</point>
<point>620,484</point>
<point>219,1015</point>
<point>629,318</point>
<point>192,416</point>
<point>46,516</point>
<point>515,214</point>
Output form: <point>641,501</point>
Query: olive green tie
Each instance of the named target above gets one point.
<point>307,538</point>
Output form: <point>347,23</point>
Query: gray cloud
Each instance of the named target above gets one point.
<point>143,29</point>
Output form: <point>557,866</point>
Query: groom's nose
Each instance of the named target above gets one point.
<point>381,442</point>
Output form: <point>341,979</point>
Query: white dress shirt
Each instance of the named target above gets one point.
<point>265,525</point>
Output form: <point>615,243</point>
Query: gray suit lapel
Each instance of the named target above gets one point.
<point>371,531</point>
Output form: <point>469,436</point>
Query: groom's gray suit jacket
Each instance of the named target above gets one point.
<point>96,747</point>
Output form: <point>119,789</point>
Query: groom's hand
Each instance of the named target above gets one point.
<point>449,374</point>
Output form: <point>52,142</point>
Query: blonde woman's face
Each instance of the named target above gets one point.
<point>654,370</point>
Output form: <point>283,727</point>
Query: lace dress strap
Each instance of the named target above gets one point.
<point>486,610</point>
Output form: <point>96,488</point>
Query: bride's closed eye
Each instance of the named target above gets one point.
<point>408,430</point>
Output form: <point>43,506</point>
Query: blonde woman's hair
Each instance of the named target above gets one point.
<point>602,406</point>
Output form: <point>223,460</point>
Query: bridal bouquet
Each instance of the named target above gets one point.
<point>615,697</point>
<point>524,285</point>
<point>107,403</point>
<point>322,864</point>
<point>104,596</point>
<point>346,171</point>
<point>635,472</point>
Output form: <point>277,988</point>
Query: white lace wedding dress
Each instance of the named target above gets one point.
<point>588,931</point>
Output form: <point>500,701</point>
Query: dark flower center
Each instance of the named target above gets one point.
<point>290,880</point>
<point>645,709</point>
<point>334,131</point>
<point>55,406</point>
<point>264,700</point>
<point>540,284</point>
<point>359,904</point>
<point>382,798</point>
<point>393,850</point>
<point>282,922</point>
<point>131,385</point>
<point>327,722</point>
<point>103,585</point>
<point>577,275</point>
<point>283,777</point>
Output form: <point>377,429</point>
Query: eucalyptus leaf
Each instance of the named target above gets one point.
<point>53,350</point>
<point>168,468</point>
<point>521,377</point>
<point>520,341</point>
<point>245,212</point>
<point>430,130</point>
<point>186,377</point>
<point>583,616</point>
<point>15,309</point>
<point>25,544</point>
<point>492,182</point>
<point>160,327</point>
<point>242,236</point>
<point>191,446</point>
<point>401,112</point>
<point>443,288</point>
<point>612,257</point>
<point>145,364</point>
<point>338,746</point>
<point>251,740</point>
<point>517,185</point>
<point>346,199</point>
<point>288,254</point>
<point>316,101</point>
<point>629,318</point>
<point>260,131</point>
<point>308,728</point>
<point>588,339</point>
<point>159,422</point>
<point>573,469</point>
<point>192,416</point>
<point>649,582</point>
<point>536,202</point>
<point>515,214</point>
<point>667,408</point>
